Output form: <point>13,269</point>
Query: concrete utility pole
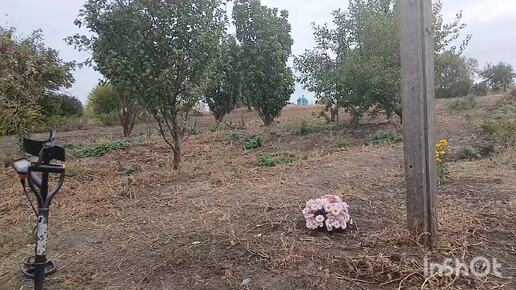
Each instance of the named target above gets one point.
<point>417,95</point>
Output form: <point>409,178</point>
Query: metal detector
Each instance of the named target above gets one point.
<point>37,174</point>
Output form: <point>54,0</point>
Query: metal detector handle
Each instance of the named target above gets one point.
<point>35,182</point>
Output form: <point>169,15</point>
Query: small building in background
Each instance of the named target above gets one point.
<point>302,101</point>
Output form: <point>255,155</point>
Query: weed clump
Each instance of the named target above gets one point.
<point>101,149</point>
<point>384,138</point>
<point>463,104</point>
<point>305,129</point>
<point>271,161</point>
<point>468,153</point>
<point>252,143</point>
<point>342,143</point>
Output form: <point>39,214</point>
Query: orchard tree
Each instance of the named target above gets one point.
<point>454,75</point>
<point>223,89</point>
<point>157,51</point>
<point>356,62</point>
<point>105,101</point>
<point>266,45</point>
<point>498,76</point>
<point>29,72</point>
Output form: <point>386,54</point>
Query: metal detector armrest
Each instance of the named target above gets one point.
<point>21,166</point>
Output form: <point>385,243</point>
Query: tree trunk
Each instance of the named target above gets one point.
<point>176,142</point>
<point>177,156</point>
<point>128,118</point>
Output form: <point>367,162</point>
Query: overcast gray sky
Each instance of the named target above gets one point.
<point>492,23</point>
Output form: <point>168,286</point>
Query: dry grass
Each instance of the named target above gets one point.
<point>221,219</point>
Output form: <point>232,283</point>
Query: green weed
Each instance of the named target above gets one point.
<point>384,138</point>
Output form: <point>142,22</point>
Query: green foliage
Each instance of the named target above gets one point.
<point>111,106</point>
<point>480,89</point>
<point>468,153</point>
<point>356,62</point>
<point>305,129</point>
<point>266,45</point>
<point>454,75</point>
<point>252,143</point>
<point>342,143</point>
<point>101,149</point>
<point>235,136</point>
<point>384,137</point>
<point>271,161</point>
<point>159,52</point>
<point>108,119</point>
<point>223,90</point>
<point>29,72</point>
<point>502,124</point>
<point>463,104</point>
<point>60,105</point>
<point>498,76</point>
<point>103,100</point>
<point>62,124</point>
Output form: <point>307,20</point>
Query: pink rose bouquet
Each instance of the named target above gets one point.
<point>328,212</point>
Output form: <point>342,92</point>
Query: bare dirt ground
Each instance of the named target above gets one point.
<point>221,219</point>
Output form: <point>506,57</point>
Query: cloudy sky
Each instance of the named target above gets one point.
<point>492,24</point>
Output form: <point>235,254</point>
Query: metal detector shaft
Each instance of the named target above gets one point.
<point>40,260</point>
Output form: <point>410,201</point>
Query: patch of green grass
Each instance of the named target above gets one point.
<point>502,123</point>
<point>235,136</point>
<point>468,153</point>
<point>463,104</point>
<point>252,143</point>
<point>101,149</point>
<point>342,143</point>
<point>271,161</point>
<point>384,138</point>
<point>70,147</point>
<point>305,129</point>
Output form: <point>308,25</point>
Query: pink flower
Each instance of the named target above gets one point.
<point>319,218</point>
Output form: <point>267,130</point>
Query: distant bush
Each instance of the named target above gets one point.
<point>271,161</point>
<point>103,100</point>
<point>60,123</point>
<point>109,119</point>
<point>463,104</point>
<point>101,149</point>
<point>252,143</point>
<point>383,138</point>
<point>60,105</point>
<point>305,129</point>
<point>480,89</point>
<point>512,93</point>
<point>468,153</point>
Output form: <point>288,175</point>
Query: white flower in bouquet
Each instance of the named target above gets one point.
<point>328,212</point>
